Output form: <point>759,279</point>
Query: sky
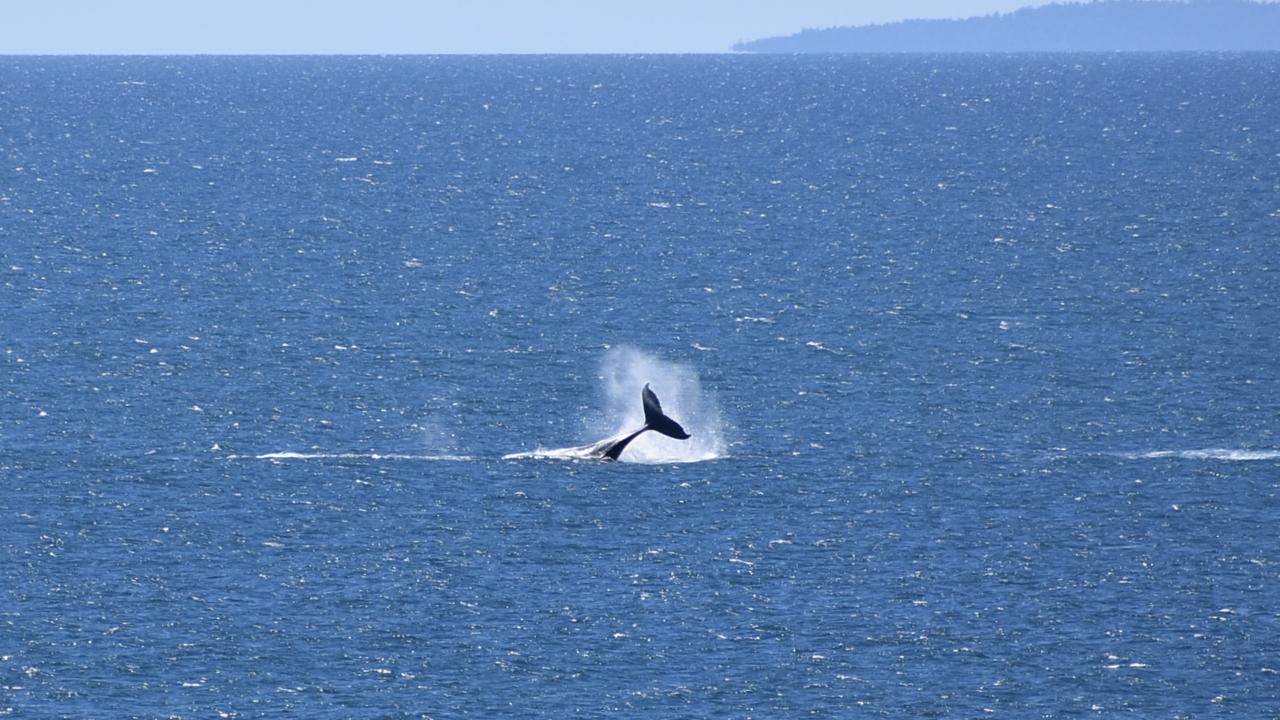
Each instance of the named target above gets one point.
<point>167,27</point>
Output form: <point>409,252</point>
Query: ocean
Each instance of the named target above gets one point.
<point>978,355</point>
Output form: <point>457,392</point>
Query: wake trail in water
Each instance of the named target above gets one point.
<point>1227,454</point>
<point>280,456</point>
<point>624,372</point>
<point>585,453</point>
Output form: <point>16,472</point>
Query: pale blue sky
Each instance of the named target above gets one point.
<point>437,26</point>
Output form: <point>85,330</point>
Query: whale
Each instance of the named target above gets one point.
<point>654,419</point>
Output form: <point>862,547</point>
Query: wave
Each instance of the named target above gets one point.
<point>349,456</point>
<point>1233,455</point>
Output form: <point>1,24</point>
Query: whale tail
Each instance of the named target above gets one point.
<point>611,448</point>
<point>655,419</point>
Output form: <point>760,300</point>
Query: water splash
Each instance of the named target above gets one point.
<point>624,372</point>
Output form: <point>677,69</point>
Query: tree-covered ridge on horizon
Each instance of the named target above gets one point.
<point>1106,25</point>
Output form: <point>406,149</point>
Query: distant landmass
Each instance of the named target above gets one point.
<point>1110,25</point>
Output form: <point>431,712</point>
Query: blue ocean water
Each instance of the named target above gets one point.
<point>978,354</point>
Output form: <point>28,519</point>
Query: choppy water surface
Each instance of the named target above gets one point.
<point>978,354</point>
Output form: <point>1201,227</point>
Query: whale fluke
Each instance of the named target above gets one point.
<point>655,419</point>
<point>609,449</point>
